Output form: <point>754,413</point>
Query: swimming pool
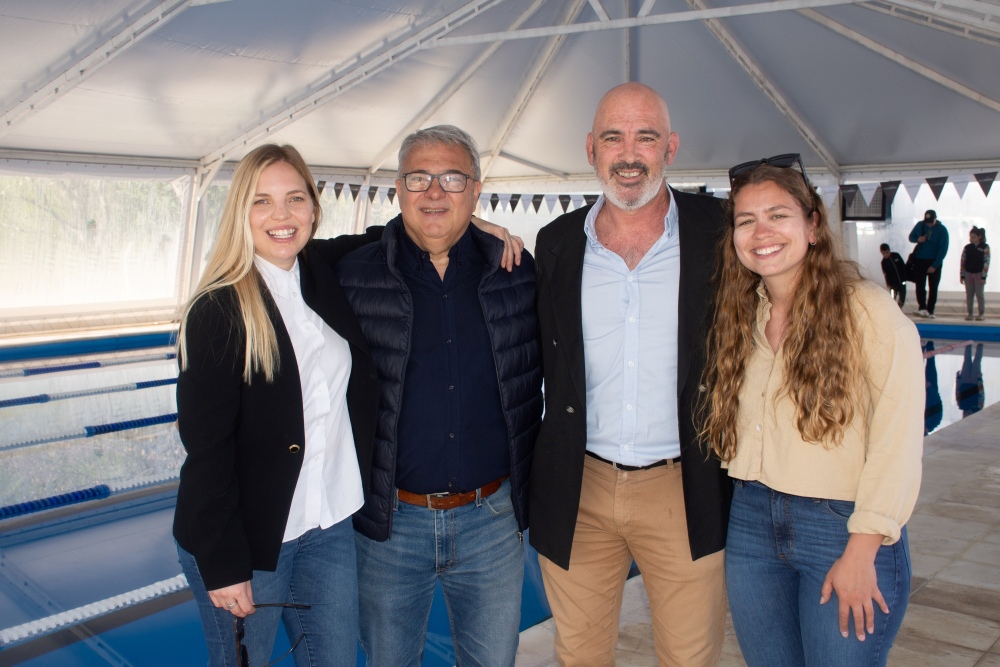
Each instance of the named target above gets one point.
<point>73,558</point>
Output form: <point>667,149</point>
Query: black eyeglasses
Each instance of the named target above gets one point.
<point>783,161</point>
<point>419,181</point>
<point>239,627</point>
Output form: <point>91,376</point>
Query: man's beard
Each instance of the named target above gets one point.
<point>631,198</point>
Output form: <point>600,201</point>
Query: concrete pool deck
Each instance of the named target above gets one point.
<point>953,618</point>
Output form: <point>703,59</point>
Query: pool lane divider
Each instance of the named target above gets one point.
<point>61,396</point>
<point>84,365</point>
<point>88,612</point>
<point>61,500</point>
<point>97,492</point>
<point>91,431</point>
<point>89,345</point>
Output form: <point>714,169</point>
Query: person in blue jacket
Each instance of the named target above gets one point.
<point>931,238</point>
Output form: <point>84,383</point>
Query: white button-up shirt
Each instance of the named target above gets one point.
<point>329,486</point>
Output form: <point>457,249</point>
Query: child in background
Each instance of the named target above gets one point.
<point>894,270</point>
<point>974,267</point>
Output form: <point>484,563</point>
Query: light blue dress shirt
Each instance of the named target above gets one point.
<point>630,347</point>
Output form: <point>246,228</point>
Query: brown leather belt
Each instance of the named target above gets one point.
<point>448,501</point>
<point>625,468</point>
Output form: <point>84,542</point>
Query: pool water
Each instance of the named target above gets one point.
<point>960,379</point>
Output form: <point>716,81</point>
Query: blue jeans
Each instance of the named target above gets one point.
<point>778,552</point>
<point>318,569</point>
<point>477,555</point>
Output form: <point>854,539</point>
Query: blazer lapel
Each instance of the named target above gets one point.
<point>693,291</point>
<point>565,283</point>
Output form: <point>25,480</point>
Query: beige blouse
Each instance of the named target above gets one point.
<point>879,471</point>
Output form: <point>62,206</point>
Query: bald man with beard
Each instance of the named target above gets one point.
<point>619,473</point>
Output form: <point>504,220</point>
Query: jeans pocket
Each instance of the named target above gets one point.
<point>499,503</point>
<point>842,508</point>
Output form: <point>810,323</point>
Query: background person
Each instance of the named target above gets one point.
<point>894,271</point>
<point>814,402</point>
<point>276,403</point>
<point>931,238</point>
<point>974,266</point>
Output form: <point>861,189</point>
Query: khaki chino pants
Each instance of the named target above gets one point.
<point>640,515</point>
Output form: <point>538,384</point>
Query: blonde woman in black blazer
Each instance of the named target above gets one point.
<point>244,415</point>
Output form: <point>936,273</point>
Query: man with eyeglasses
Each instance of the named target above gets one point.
<point>619,471</point>
<point>454,339</point>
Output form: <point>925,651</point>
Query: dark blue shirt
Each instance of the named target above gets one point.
<point>452,436</point>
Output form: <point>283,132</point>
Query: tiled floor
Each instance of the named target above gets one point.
<point>953,618</point>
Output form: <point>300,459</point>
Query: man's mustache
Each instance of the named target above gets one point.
<point>628,166</point>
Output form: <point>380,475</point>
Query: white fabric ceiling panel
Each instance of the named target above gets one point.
<point>211,76</point>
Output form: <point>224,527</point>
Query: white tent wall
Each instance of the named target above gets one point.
<point>133,89</point>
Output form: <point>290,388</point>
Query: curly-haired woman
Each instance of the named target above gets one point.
<point>813,399</point>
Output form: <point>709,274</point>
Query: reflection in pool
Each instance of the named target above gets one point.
<point>975,368</point>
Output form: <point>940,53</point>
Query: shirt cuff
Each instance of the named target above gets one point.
<point>871,523</point>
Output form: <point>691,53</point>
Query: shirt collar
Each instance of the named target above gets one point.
<point>669,220</point>
<point>279,281</point>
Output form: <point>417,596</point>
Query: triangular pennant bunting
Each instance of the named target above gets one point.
<point>961,184</point>
<point>494,200</point>
<point>590,199</point>
<point>577,201</point>
<point>320,185</point>
<point>936,185</point>
<point>504,201</point>
<point>337,189</point>
<point>484,201</point>
<point>382,192</point>
<point>986,181</point>
<point>911,186</point>
<point>868,191</point>
<point>889,191</point>
<point>355,190</point>
<point>372,191</point>
<point>830,197</point>
<point>513,202</point>
<point>550,201</point>
<point>564,202</point>
<point>537,200</point>
<point>849,192</point>
<point>392,195</point>
<point>526,201</point>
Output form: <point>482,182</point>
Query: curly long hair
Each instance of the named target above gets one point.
<point>231,262</point>
<point>823,361</point>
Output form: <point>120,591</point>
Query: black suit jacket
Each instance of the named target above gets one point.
<point>245,442</point>
<point>557,472</point>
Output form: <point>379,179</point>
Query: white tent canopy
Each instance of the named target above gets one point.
<point>864,90</point>
<point>110,93</point>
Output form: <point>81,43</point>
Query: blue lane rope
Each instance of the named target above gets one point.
<point>45,398</point>
<point>91,431</point>
<point>93,493</point>
<point>84,365</point>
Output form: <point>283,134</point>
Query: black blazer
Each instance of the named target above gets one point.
<point>245,442</point>
<point>557,472</point>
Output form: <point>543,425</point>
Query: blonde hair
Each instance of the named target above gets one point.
<point>231,263</point>
<point>823,361</point>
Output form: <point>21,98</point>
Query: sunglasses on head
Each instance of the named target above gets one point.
<point>239,627</point>
<point>783,161</point>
